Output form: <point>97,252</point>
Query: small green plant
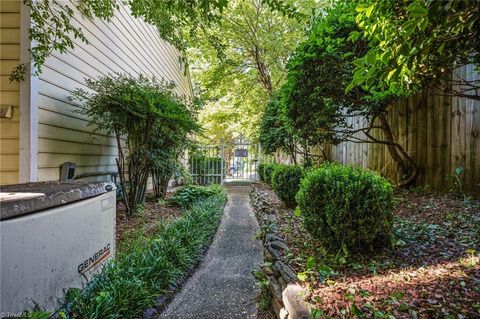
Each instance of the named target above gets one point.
<point>347,209</point>
<point>190,194</point>
<point>286,182</point>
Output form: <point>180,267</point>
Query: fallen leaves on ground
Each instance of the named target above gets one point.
<point>146,222</point>
<point>432,272</point>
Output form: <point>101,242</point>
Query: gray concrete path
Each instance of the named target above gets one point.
<point>223,285</point>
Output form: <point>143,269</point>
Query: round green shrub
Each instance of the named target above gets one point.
<point>267,173</point>
<point>286,182</point>
<point>346,207</point>
<point>260,170</point>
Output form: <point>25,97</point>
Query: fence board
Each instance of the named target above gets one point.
<point>440,132</point>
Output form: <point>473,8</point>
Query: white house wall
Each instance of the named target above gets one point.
<point>125,45</point>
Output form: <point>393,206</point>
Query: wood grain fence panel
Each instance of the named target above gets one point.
<point>440,132</point>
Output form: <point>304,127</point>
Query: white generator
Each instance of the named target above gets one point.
<point>54,235</point>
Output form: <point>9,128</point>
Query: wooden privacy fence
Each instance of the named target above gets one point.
<point>441,133</point>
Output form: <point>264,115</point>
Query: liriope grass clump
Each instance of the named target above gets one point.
<point>346,207</point>
<point>149,267</point>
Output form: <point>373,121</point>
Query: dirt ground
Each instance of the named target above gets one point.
<point>146,222</point>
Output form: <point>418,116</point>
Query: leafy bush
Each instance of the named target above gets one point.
<point>286,182</point>
<point>268,172</point>
<point>260,169</point>
<point>188,195</point>
<point>150,123</point>
<point>131,283</point>
<point>346,207</point>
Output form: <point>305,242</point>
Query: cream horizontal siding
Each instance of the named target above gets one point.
<point>9,91</point>
<point>122,45</point>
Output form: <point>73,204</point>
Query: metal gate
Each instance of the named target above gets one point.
<point>215,164</point>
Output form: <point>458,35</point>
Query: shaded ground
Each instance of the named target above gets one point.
<point>223,285</point>
<point>146,222</point>
<point>432,272</point>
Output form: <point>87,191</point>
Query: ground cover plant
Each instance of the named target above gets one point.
<point>431,270</point>
<point>149,266</point>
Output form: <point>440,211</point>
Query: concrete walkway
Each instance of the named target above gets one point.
<point>223,285</point>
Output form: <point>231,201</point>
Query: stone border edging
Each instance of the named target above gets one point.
<point>287,296</point>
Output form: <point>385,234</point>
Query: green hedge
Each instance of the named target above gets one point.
<point>286,182</point>
<point>268,172</point>
<point>260,169</point>
<point>346,207</point>
<point>149,266</point>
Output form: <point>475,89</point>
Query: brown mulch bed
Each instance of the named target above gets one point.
<point>432,272</point>
<point>145,223</point>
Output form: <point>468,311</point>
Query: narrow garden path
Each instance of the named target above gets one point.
<point>223,285</point>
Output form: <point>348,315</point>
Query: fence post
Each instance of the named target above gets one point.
<point>222,162</point>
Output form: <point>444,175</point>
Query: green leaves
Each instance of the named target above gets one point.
<point>411,41</point>
<point>416,10</point>
<point>146,113</point>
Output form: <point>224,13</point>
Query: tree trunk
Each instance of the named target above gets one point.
<point>407,169</point>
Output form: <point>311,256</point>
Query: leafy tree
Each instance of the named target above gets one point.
<point>239,71</point>
<point>274,133</point>
<point>417,44</point>
<point>148,121</point>
<point>52,28</point>
<point>314,95</point>
<point>177,21</point>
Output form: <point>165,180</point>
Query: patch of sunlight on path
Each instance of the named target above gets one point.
<point>223,285</point>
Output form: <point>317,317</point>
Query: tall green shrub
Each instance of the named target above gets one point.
<point>346,207</point>
<point>149,123</point>
<point>286,182</point>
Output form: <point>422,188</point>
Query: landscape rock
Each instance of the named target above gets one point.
<point>293,299</point>
<point>150,313</point>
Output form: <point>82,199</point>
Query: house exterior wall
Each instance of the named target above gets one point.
<point>122,45</point>
<point>9,92</point>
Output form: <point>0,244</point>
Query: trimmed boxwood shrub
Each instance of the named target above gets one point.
<point>286,182</point>
<point>260,170</point>
<point>267,173</point>
<point>346,207</point>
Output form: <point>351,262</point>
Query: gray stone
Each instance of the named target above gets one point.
<point>293,299</point>
<point>150,313</point>
<point>287,273</point>
<point>274,252</point>
<point>273,237</point>
<point>276,288</point>
<point>279,245</point>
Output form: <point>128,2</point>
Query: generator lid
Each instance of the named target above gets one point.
<point>21,199</point>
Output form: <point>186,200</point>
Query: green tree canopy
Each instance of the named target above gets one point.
<point>417,44</point>
<point>316,100</point>
<point>238,73</point>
